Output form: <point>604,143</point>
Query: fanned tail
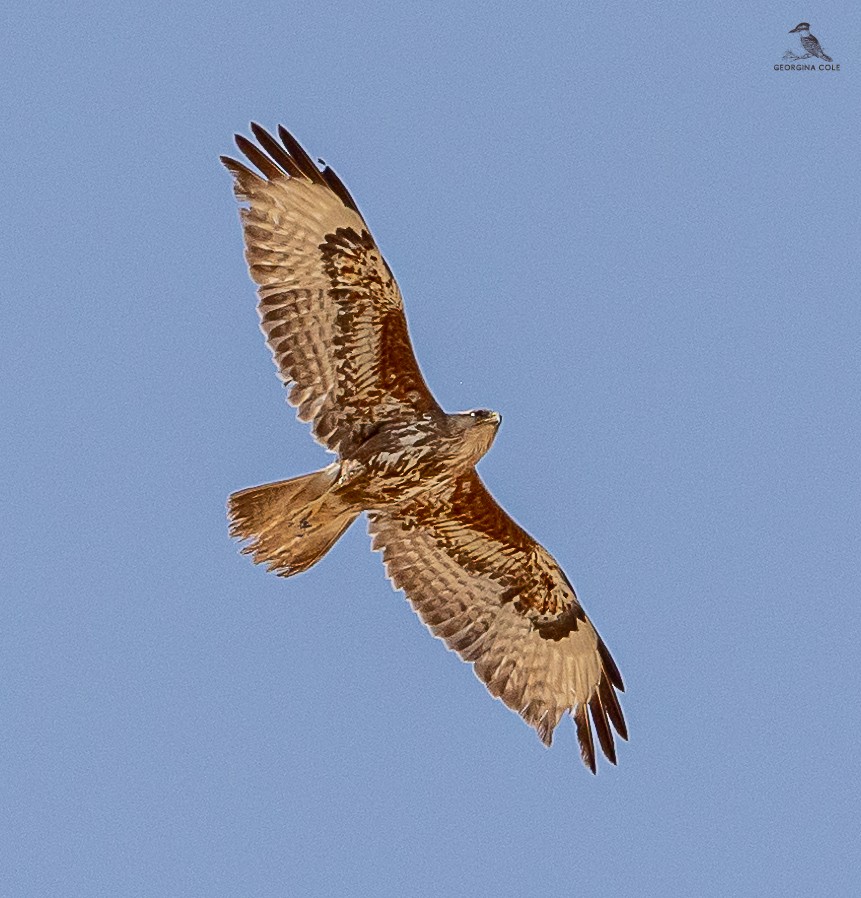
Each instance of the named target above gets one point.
<point>291,524</point>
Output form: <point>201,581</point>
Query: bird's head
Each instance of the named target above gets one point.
<point>484,416</point>
<point>478,429</point>
<point>803,26</point>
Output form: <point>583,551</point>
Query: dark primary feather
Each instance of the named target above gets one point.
<point>237,169</point>
<point>599,719</point>
<point>584,737</point>
<point>305,162</point>
<point>338,188</point>
<point>259,158</point>
<point>276,151</point>
<point>610,704</point>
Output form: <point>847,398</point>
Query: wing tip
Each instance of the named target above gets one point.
<point>609,665</point>
<point>287,159</point>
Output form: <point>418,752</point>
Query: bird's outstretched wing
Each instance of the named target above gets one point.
<point>500,600</point>
<point>329,306</point>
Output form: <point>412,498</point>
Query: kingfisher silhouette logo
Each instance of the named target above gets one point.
<point>807,48</point>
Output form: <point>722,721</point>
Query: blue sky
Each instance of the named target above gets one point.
<point>620,227</point>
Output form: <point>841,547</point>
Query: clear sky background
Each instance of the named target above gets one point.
<point>617,225</point>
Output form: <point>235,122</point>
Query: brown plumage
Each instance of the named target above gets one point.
<point>333,318</point>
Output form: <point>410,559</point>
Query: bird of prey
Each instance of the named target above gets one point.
<point>333,318</point>
<point>809,42</point>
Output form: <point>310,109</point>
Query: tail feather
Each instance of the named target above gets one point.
<point>290,525</point>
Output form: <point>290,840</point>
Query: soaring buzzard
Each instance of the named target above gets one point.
<point>334,320</point>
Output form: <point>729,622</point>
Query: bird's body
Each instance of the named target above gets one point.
<point>404,459</point>
<point>333,317</point>
<point>809,42</point>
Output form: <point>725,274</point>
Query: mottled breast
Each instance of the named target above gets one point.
<point>401,460</point>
